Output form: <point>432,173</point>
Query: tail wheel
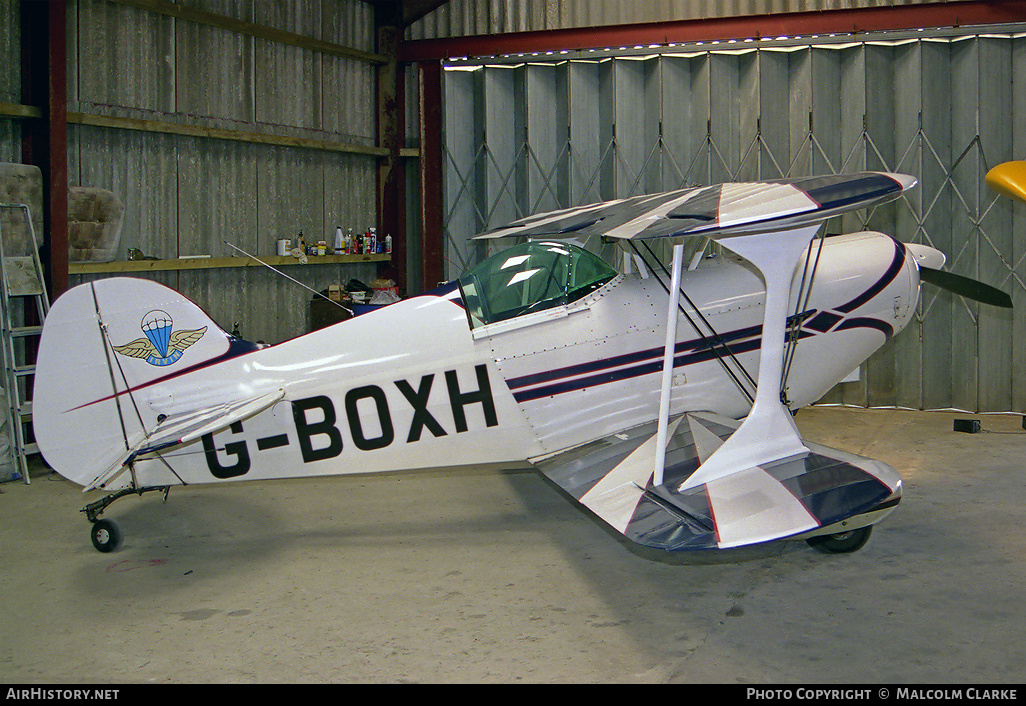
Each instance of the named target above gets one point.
<point>106,535</point>
<point>842,542</point>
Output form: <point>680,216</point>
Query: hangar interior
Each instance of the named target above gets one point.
<point>182,141</point>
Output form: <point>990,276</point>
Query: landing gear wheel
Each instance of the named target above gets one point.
<point>842,542</point>
<point>106,535</point>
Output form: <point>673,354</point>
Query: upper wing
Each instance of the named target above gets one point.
<point>716,211</point>
<point>613,478</point>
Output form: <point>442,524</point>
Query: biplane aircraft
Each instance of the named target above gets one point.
<point>662,402</point>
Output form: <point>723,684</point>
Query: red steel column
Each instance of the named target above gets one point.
<point>391,201</point>
<point>44,70</point>
<point>432,251</point>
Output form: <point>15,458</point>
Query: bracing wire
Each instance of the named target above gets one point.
<point>716,343</point>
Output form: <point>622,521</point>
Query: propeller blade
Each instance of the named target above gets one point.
<point>963,286</point>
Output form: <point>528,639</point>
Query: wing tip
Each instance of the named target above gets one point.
<point>905,181</point>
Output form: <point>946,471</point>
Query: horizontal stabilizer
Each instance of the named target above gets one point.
<point>613,478</point>
<point>182,429</point>
<point>185,428</point>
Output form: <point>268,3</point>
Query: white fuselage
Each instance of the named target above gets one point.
<point>415,386</point>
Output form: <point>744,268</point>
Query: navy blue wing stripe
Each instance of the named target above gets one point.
<point>833,192</point>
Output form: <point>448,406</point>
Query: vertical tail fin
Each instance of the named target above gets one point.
<point>108,350</point>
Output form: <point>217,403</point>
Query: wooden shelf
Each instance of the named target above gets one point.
<point>209,263</point>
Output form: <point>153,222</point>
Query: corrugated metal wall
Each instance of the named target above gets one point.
<point>532,137</point>
<point>186,194</point>
<point>459,18</point>
<point>10,79</point>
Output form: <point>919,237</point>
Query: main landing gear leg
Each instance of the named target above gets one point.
<point>105,534</point>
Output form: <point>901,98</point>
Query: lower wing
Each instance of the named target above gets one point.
<point>785,499</point>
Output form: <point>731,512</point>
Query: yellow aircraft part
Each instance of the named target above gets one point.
<point>1009,179</point>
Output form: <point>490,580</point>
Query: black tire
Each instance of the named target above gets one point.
<point>842,542</point>
<point>106,535</point>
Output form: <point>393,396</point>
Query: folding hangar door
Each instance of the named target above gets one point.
<point>528,134</point>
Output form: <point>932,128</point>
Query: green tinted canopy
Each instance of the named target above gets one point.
<point>531,277</point>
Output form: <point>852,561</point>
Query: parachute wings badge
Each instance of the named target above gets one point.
<point>162,345</point>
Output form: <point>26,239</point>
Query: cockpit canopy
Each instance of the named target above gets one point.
<point>531,277</point>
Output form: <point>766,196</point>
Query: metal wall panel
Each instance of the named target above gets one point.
<point>10,51</point>
<point>937,306</point>
<point>995,239</point>
<point>214,72</point>
<point>677,140</point>
<point>462,129</point>
<point>945,109</point>
<point>186,195</point>
<point>347,91</point>
<point>1017,260</point>
<point>10,56</point>
<point>10,140</point>
<point>123,57</point>
<point>10,78</point>
<point>546,158</point>
<point>217,198</point>
<point>965,251</point>
<point>502,145</point>
<point>590,130</point>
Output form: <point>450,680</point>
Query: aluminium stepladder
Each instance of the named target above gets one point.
<point>21,280</point>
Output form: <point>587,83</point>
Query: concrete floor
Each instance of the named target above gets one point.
<point>494,576</point>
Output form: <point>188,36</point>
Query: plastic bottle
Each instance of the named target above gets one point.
<point>302,243</point>
<point>388,244</point>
